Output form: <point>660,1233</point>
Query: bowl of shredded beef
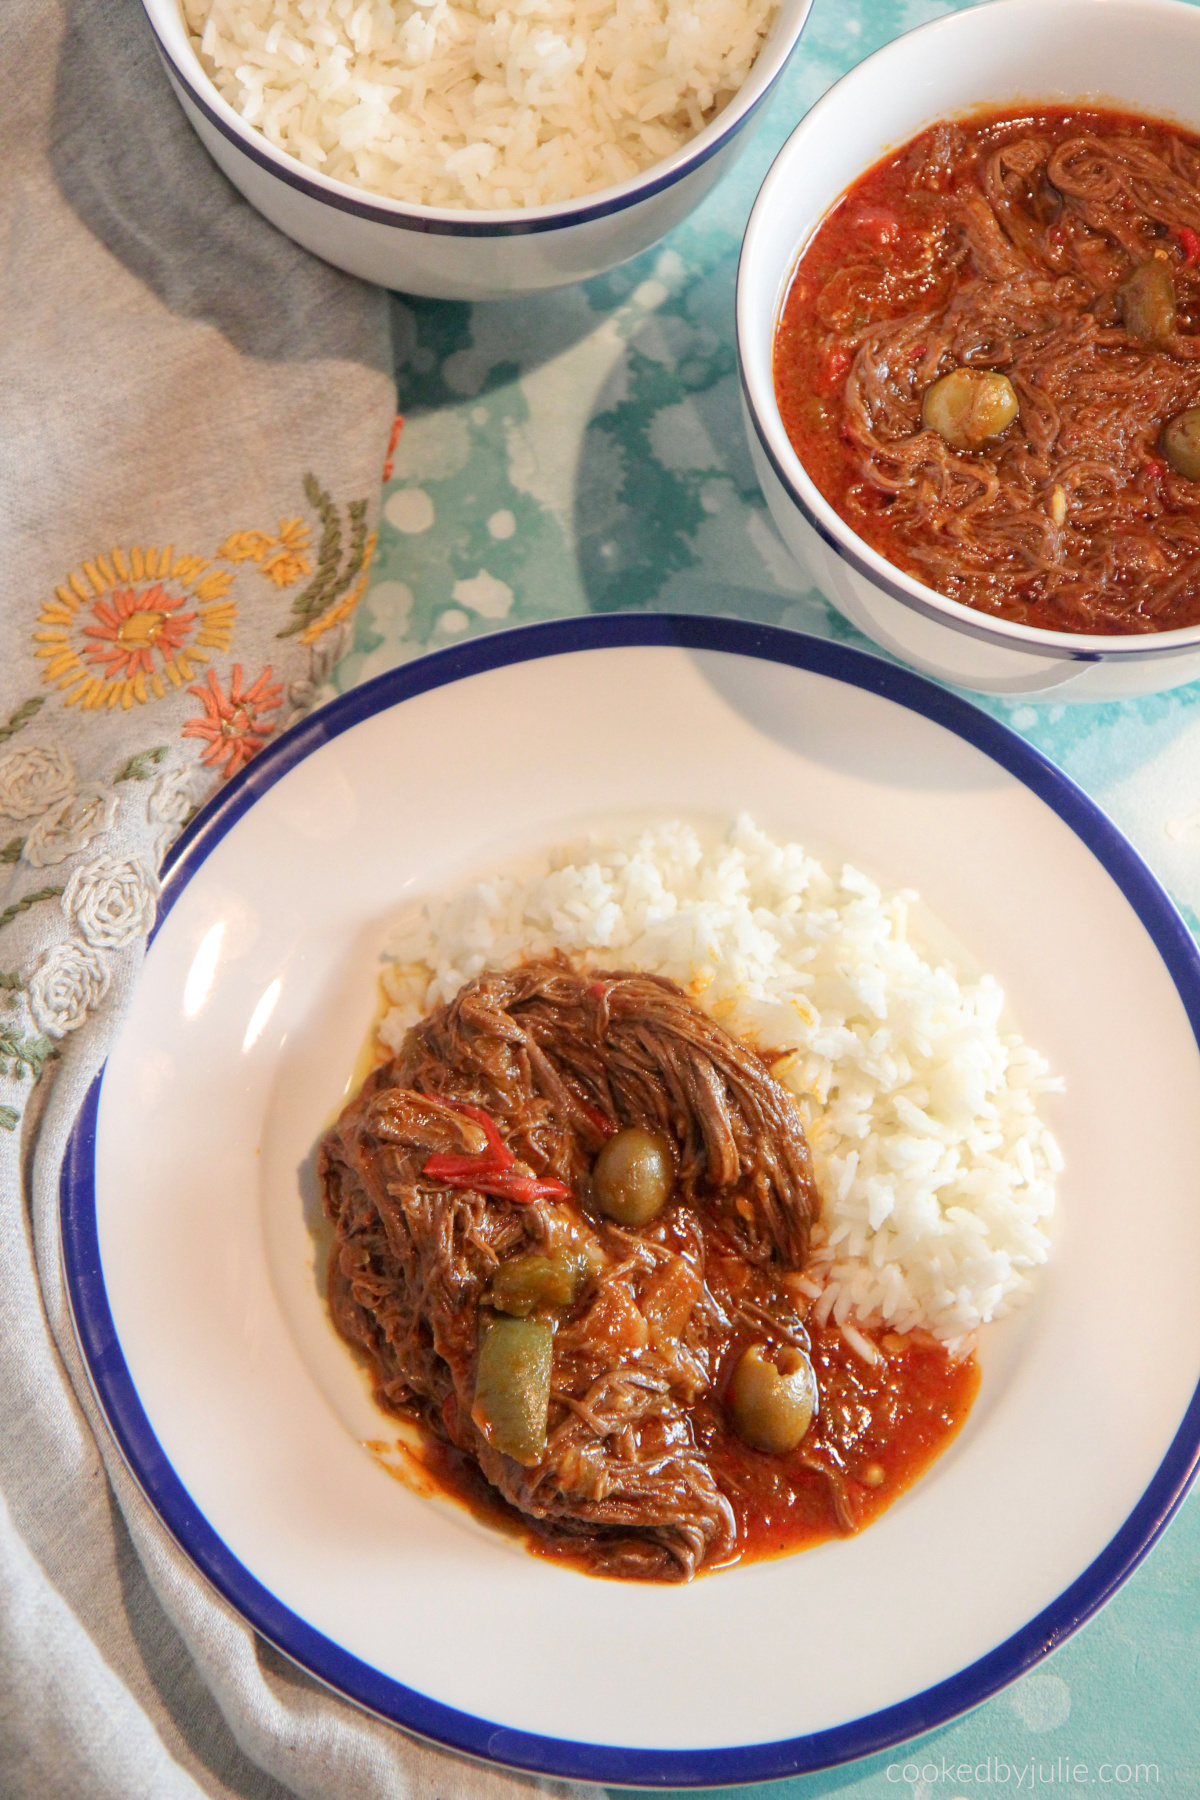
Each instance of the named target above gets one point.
<point>969,333</point>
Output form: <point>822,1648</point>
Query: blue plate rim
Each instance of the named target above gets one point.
<point>348,1675</point>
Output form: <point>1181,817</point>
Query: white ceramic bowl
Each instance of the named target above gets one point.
<point>454,253</point>
<point>1140,55</point>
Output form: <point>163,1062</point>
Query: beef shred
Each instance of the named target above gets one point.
<point>558,1061</point>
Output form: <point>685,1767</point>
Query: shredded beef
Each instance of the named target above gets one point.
<point>557,1062</point>
<point>1016,241</point>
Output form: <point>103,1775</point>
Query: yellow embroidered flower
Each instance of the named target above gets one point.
<point>247,546</point>
<point>285,566</point>
<point>127,624</point>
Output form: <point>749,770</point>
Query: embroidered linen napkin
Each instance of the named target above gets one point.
<point>193,421</point>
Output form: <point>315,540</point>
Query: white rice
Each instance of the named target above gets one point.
<point>478,103</point>
<point>935,1169</point>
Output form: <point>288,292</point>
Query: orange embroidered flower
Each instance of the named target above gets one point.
<point>285,566</point>
<point>233,725</point>
<point>133,627</point>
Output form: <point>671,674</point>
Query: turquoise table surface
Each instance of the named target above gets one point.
<point>583,451</point>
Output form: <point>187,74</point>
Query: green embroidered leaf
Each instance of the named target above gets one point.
<point>9,1118</point>
<point>358,546</point>
<point>331,581</point>
<point>22,716</point>
<point>39,1051</point>
<point>141,766</point>
<point>27,1055</point>
<point>11,852</point>
<point>12,984</point>
<point>314,599</point>
<point>27,900</point>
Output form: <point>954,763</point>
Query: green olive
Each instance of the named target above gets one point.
<point>772,1403</point>
<point>525,1282</point>
<point>633,1176</point>
<point>969,406</point>
<point>1181,443</point>
<point>512,1385</point>
<point>1148,302</point>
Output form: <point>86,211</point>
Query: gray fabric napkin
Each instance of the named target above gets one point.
<point>193,419</point>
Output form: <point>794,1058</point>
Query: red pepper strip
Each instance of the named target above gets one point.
<point>596,1119</point>
<point>1190,243</point>
<point>486,1178</point>
<point>496,1145</point>
<point>508,1186</point>
<point>597,990</point>
<point>1155,470</point>
<point>491,1171</point>
<point>442,1167</point>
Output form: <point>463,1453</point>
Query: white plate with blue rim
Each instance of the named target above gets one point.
<point>193,1276</point>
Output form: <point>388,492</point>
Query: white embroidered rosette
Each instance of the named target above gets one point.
<point>33,778</point>
<point>111,901</point>
<point>173,796</point>
<point>171,804</point>
<point>69,981</point>
<point>69,826</point>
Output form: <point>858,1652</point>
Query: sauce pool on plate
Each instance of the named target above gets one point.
<point>911,1405</point>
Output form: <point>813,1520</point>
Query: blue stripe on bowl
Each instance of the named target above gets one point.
<point>320,1655</point>
<point>292,172</point>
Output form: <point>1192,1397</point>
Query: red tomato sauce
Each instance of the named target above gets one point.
<point>960,250</point>
<point>897,1414</point>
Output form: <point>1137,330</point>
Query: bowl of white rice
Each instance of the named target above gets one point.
<point>465,149</point>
